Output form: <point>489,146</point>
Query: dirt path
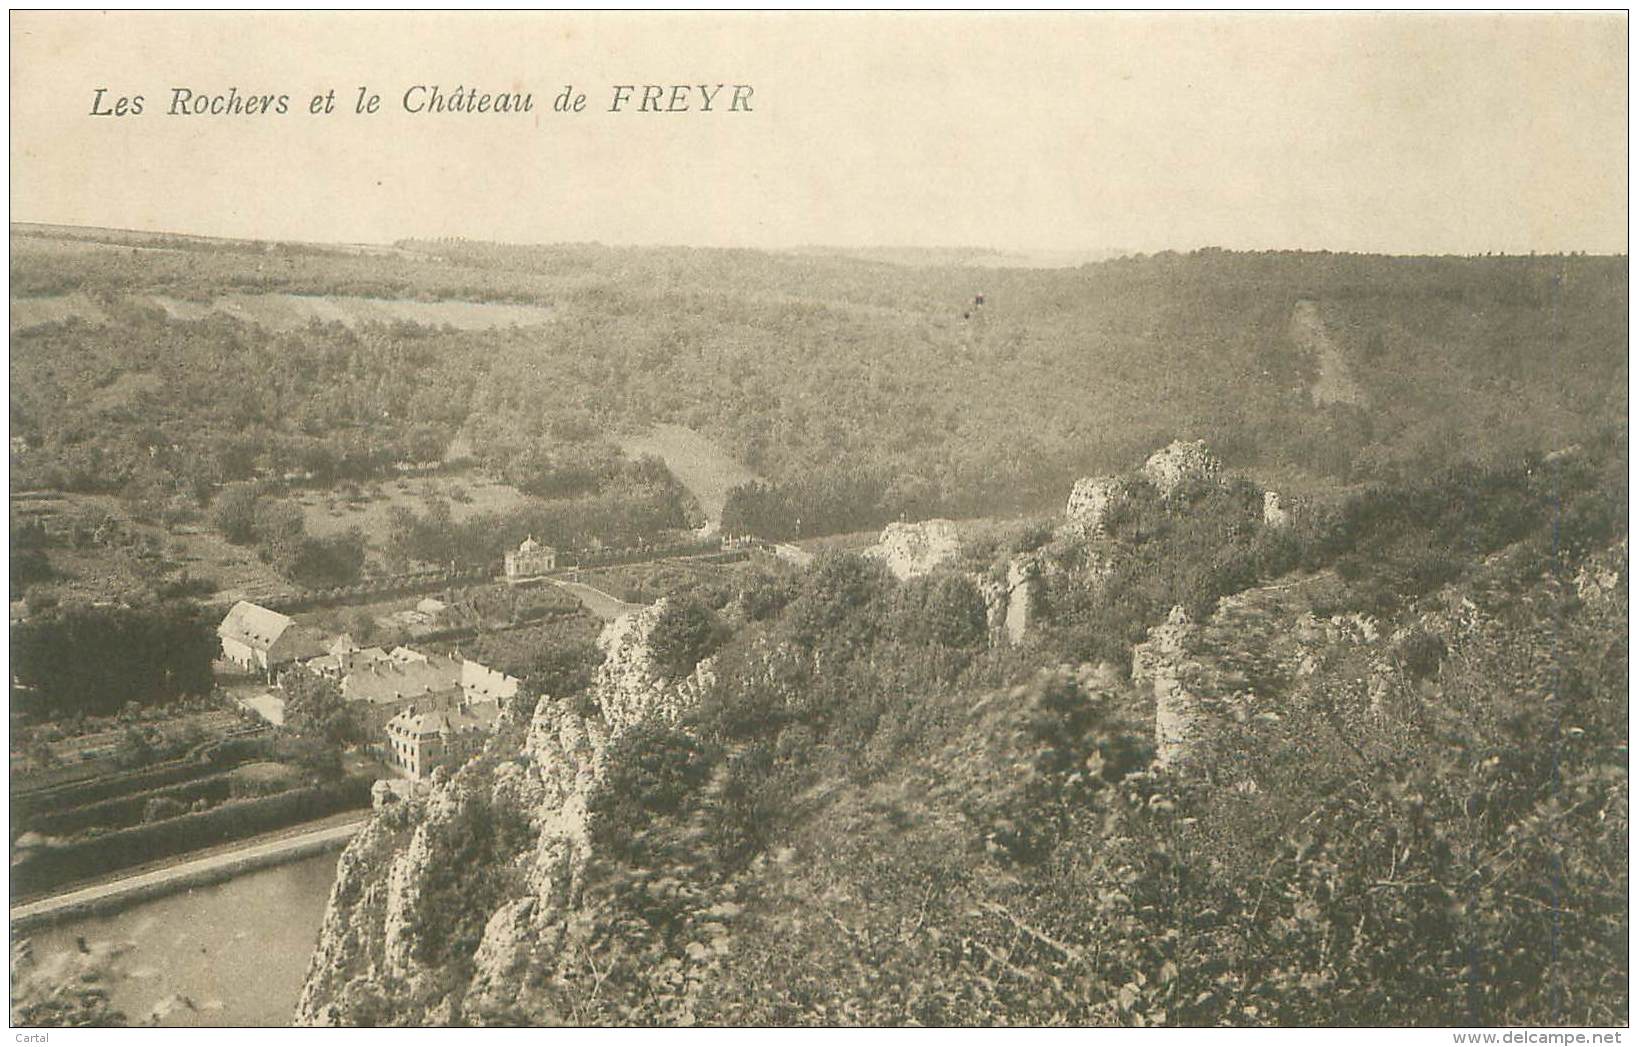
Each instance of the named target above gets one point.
<point>597,601</point>
<point>219,865</point>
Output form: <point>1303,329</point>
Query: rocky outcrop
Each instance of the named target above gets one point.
<point>1604,576</point>
<point>629,686</point>
<point>1162,663</point>
<point>1090,503</point>
<point>1275,514</point>
<point>1023,583</point>
<point>1178,462</point>
<point>367,941</point>
<point>351,950</point>
<point>913,549</point>
<point>1257,648</point>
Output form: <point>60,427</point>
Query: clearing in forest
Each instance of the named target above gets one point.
<point>696,462</point>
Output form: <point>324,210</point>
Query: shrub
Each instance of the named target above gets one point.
<point>687,632</point>
<point>162,807</point>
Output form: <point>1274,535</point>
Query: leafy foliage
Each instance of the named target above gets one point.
<point>83,659</point>
<point>686,632</point>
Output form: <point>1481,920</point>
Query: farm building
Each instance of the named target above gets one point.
<point>530,560</point>
<point>479,683</point>
<point>257,638</point>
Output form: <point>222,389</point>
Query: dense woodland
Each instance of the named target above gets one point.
<point>860,391</point>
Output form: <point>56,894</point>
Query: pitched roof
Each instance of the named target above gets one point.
<point>443,721</point>
<point>253,625</point>
<point>390,680</point>
<point>346,662</point>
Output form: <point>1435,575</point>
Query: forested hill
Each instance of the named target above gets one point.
<point>863,390</point>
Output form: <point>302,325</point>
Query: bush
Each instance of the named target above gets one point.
<point>652,770</point>
<point>162,807</point>
<point>120,812</point>
<point>686,633</point>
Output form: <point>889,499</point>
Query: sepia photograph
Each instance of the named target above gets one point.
<point>819,519</point>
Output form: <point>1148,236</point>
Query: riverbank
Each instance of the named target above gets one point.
<point>199,871</point>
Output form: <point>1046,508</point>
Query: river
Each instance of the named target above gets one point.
<point>232,953</point>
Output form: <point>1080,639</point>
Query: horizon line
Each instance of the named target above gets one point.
<point>1103,253</point>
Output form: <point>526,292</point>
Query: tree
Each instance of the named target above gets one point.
<point>134,750</point>
<point>234,513</point>
<point>314,709</point>
<point>686,632</point>
<point>80,658</point>
<point>944,608</point>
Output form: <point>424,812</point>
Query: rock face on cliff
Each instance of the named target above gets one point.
<point>913,549</point>
<point>1090,502</point>
<point>1257,649</point>
<point>1180,461</point>
<point>1275,514</point>
<point>1023,583</point>
<point>629,687</point>
<point>368,945</point>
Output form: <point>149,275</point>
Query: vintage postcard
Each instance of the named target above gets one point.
<point>803,519</point>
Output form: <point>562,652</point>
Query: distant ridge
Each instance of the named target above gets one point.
<point>962,257</point>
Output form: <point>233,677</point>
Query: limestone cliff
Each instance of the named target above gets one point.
<point>368,945</point>
<point>913,549</point>
<point>1090,503</point>
<point>1179,461</point>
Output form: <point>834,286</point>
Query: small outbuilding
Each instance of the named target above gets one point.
<point>530,560</point>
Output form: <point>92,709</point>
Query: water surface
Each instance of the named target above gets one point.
<point>232,953</point>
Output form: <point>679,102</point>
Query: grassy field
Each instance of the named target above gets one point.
<point>284,312</point>
<point>699,464</point>
<point>469,493</point>
<point>141,552</point>
<point>645,583</point>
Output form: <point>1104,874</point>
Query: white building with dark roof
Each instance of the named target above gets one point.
<point>530,560</point>
<point>418,737</point>
<point>256,638</point>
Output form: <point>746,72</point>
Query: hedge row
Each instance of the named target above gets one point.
<point>51,867</point>
<point>78,794</point>
<point>379,589</point>
<point>209,758</point>
<point>122,811</point>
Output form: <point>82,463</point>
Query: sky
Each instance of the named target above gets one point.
<point>1399,133</point>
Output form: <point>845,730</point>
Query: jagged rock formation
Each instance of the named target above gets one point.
<point>1023,581</point>
<point>1275,514</point>
<point>368,939</point>
<point>1258,645</point>
<point>628,683</point>
<point>1179,461</point>
<point>1090,502</point>
<point>913,549</point>
<point>1161,663</point>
